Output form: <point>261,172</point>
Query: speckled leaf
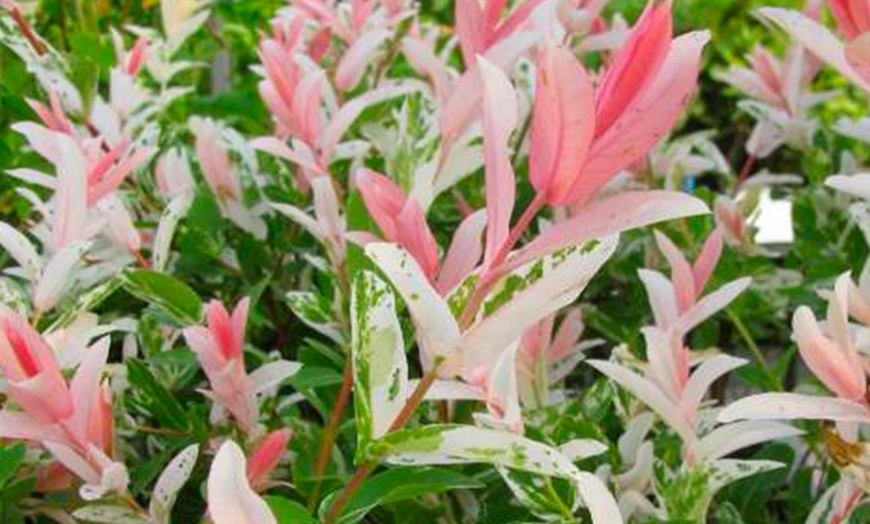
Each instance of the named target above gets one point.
<point>105,514</point>
<point>314,311</point>
<point>173,478</point>
<point>379,364</point>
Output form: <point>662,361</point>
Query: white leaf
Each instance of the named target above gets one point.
<point>172,215</point>
<point>21,250</point>
<point>437,329</point>
<point>271,375</point>
<point>170,482</point>
<point>57,275</point>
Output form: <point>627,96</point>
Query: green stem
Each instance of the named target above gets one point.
<point>564,510</point>
<point>754,349</point>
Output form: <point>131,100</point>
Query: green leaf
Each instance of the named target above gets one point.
<point>167,293</point>
<point>158,400</point>
<point>400,484</point>
<point>288,511</point>
<point>11,458</point>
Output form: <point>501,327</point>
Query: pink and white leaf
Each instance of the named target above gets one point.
<point>563,123</point>
<point>230,497</point>
<point>464,252</point>
<point>733,437</point>
<point>856,185</point>
<point>816,38</point>
<point>793,406</point>
<point>57,275</point>
<point>682,275</point>
<point>649,394</point>
<point>499,120</point>
<point>662,297</point>
<point>609,216</point>
<point>21,250</point>
<point>703,378</point>
<point>348,114</point>
<point>647,120</point>
<point>713,303</point>
<point>358,57</point>
<point>270,375</point>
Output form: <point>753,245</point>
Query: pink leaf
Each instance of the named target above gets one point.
<point>609,216</point>
<point>636,65</point>
<point>464,252</point>
<point>647,120</point>
<point>471,30</point>
<point>840,371</point>
<point>713,303</point>
<point>358,57</point>
<point>563,123</point>
<point>681,272</point>
<point>707,260</point>
<point>499,121</point>
<point>818,40</point>
<point>648,393</point>
<point>230,497</point>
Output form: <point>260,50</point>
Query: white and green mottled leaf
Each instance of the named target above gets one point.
<point>172,215</point>
<point>450,444</point>
<point>532,293</point>
<point>314,312</point>
<point>437,329</point>
<point>726,471</point>
<point>536,493</point>
<point>106,514</point>
<point>379,365</point>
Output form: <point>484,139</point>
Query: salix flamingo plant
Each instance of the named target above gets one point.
<point>376,121</point>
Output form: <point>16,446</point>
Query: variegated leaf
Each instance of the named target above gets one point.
<point>315,312</point>
<point>170,482</point>
<point>379,365</point>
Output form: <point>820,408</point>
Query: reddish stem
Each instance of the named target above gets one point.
<point>746,170</point>
<point>27,31</point>
<point>493,271</point>
<point>368,468</point>
<point>331,430</point>
<point>140,260</point>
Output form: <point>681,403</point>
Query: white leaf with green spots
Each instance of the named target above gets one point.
<point>380,368</point>
<point>726,471</point>
<point>531,294</point>
<point>437,329</point>
<point>172,215</point>
<point>171,480</point>
<point>106,514</point>
<point>451,444</point>
<point>314,311</point>
<point>538,494</point>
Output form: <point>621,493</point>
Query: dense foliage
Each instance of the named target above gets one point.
<point>385,261</point>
